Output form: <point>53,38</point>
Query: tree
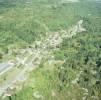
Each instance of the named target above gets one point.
<point>1,55</point>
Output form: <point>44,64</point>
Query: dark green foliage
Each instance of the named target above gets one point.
<point>25,21</point>
<point>87,59</point>
<point>1,55</point>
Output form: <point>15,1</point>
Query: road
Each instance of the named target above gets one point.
<point>5,66</point>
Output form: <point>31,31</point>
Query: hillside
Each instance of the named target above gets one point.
<point>21,22</point>
<point>50,49</point>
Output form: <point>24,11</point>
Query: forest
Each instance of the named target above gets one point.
<point>69,71</point>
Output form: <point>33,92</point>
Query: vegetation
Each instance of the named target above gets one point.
<point>75,73</point>
<point>82,57</point>
<point>23,21</point>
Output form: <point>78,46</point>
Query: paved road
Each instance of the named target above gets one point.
<point>5,66</point>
